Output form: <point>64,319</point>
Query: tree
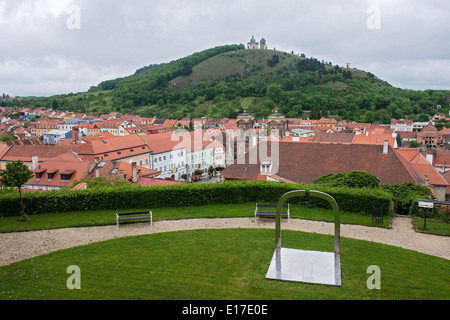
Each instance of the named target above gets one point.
<point>274,92</point>
<point>353,179</point>
<point>186,68</point>
<point>414,144</point>
<point>16,175</point>
<point>273,61</point>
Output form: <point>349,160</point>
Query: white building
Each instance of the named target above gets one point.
<point>255,45</point>
<point>402,125</point>
<point>167,155</point>
<point>200,153</point>
<point>418,126</point>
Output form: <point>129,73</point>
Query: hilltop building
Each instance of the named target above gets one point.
<point>255,45</point>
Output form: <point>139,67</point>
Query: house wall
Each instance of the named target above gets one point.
<point>200,159</point>
<point>171,163</point>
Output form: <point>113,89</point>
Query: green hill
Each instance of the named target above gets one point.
<point>223,81</point>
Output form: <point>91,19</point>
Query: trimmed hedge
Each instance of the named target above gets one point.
<point>348,199</point>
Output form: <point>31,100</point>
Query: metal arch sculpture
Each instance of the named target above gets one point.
<point>301,265</point>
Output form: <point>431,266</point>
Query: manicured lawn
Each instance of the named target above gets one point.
<point>105,217</point>
<point>220,264</point>
<point>433,226</point>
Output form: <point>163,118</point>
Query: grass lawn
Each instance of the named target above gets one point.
<point>105,217</point>
<point>227,264</point>
<point>433,226</point>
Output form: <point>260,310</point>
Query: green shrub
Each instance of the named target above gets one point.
<point>353,179</point>
<point>348,199</point>
<point>405,195</point>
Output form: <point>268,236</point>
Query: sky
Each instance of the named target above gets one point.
<point>50,47</point>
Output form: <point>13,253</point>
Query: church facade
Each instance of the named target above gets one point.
<point>262,44</point>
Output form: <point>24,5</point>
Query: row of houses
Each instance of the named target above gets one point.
<point>150,151</point>
<point>308,151</point>
<point>304,162</point>
<point>136,158</point>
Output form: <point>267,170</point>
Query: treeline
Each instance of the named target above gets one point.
<point>149,67</point>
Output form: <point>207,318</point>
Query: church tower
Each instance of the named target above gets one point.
<point>276,125</point>
<point>263,44</point>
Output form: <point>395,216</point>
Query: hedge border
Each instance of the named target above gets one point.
<point>352,200</point>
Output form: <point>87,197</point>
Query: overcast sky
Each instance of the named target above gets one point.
<point>60,46</point>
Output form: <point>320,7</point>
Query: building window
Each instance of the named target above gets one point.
<point>266,167</point>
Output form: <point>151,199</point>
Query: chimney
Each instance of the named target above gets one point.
<point>97,172</point>
<point>385,147</point>
<point>35,162</point>
<point>75,135</point>
<point>430,158</point>
<point>427,180</point>
<point>135,173</point>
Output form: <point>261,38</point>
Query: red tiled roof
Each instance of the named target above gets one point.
<point>442,158</point>
<point>162,142</point>
<point>114,148</point>
<point>144,181</point>
<point>78,170</point>
<point>26,152</point>
<point>306,162</point>
<point>421,166</point>
<point>401,121</point>
<point>374,139</point>
<point>326,121</point>
<point>334,137</point>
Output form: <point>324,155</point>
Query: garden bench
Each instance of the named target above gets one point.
<point>267,214</point>
<point>377,213</point>
<point>128,216</point>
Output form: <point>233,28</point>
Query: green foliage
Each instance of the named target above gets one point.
<point>220,265</point>
<point>16,174</point>
<point>273,61</point>
<point>135,196</point>
<point>228,77</point>
<point>354,179</point>
<point>101,182</point>
<point>7,137</point>
<point>404,195</point>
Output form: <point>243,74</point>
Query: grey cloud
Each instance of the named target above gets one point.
<point>40,56</point>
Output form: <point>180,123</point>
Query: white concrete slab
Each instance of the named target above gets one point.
<point>304,266</point>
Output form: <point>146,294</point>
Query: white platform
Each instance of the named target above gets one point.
<point>305,266</point>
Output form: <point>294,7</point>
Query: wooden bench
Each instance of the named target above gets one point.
<point>129,216</point>
<point>272,214</point>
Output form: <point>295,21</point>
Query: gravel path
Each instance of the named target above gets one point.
<point>24,245</point>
